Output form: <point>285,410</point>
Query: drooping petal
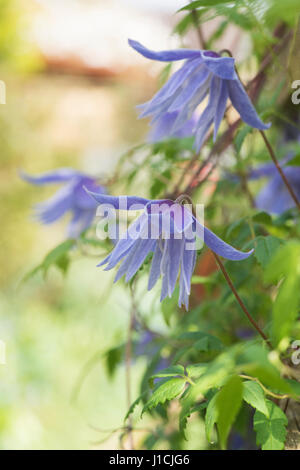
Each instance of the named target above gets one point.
<point>175,250</point>
<point>183,294</point>
<point>219,246</point>
<point>221,106</point>
<point>163,127</point>
<point>195,82</point>
<point>173,85</point>
<point>55,207</point>
<point>140,254</point>
<point>125,243</point>
<point>266,170</point>
<point>209,113</point>
<point>83,200</point>
<point>120,202</point>
<point>155,266</point>
<point>243,105</point>
<point>189,108</point>
<point>81,221</point>
<point>61,175</point>
<point>188,262</point>
<point>165,56</point>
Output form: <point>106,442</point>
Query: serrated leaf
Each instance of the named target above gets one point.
<point>134,405</point>
<point>168,390</point>
<point>265,249</point>
<point>228,403</point>
<point>270,432</point>
<point>254,395</point>
<point>171,371</point>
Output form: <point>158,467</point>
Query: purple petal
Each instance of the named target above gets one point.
<point>209,113</point>
<point>120,202</point>
<point>243,105</point>
<point>187,267</point>
<point>81,221</point>
<point>196,81</point>
<point>175,250</point>
<point>55,207</point>
<point>140,253</point>
<point>222,67</point>
<point>155,266</point>
<point>221,106</point>
<point>60,175</point>
<point>219,246</point>
<point>165,56</point>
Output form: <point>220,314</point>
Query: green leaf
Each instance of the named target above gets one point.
<point>265,248</point>
<point>270,432</point>
<point>241,136</point>
<point>171,371</point>
<point>211,418</point>
<point>294,161</point>
<point>168,307</point>
<point>196,370</point>
<point>113,357</point>
<point>202,280</point>
<point>134,405</point>
<point>254,395</point>
<point>165,391</point>
<point>262,218</point>
<point>204,3</point>
<point>285,309</point>
<point>57,257</point>
<point>217,371</point>
<point>202,341</point>
<point>228,403</point>
<point>255,361</point>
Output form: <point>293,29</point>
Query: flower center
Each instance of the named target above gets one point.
<point>211,54</point>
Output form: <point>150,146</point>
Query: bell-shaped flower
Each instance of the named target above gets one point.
<point>168,231</point>
<point>274,196</point>
<point>162,128</point>
<point>70,198</point>
<point>203,74</point>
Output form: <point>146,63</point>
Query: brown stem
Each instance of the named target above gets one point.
<point>128,353</point>
<point>198,29</point>
<point>276,163</point>
<point>241,303</point>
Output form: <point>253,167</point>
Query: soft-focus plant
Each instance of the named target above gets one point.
<point>225,365</point>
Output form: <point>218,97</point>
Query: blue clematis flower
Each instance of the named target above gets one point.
<point>204,73</point>
<point>163,127</point>
<point>274,197</point>
<point>168,230</point>
<point>70,198</point>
